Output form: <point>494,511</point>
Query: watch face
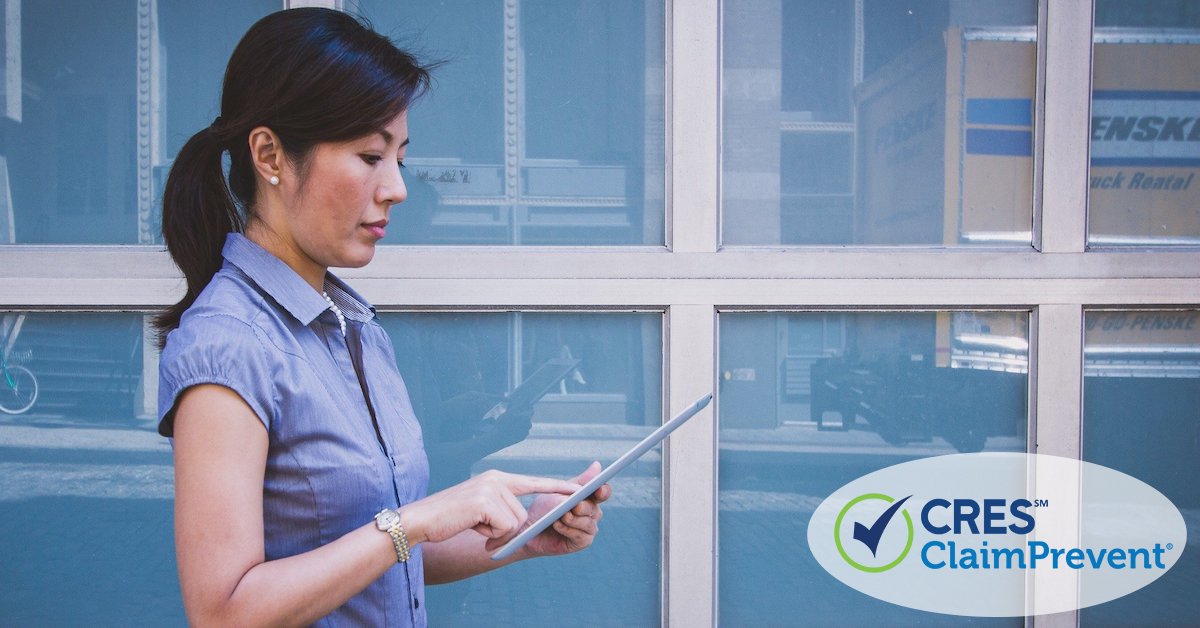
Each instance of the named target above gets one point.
<point>387,520</point>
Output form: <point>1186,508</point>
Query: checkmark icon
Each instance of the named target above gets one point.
<point>870,536</point>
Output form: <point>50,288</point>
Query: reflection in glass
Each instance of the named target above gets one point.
<point>85,368</point>
<point>88,446</point>
<point>878,122</point>
<point>100,96</point>
<point>85,480</point>
<point>810,401</point>
<point>545,124</point>
<point>1145,132</point>
<point>1141,416</point>
<point>458,366</point>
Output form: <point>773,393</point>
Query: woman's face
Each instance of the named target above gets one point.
<point>339,207</point>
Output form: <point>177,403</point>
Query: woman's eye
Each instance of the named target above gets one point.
<point>371,159</point>
<point>401,162</point>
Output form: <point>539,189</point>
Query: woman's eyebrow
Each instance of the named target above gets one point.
<point>387,137</point>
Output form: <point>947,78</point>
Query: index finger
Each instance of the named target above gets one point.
<point>527,484</point>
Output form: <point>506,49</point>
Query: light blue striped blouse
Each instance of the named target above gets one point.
<point>262,331</point>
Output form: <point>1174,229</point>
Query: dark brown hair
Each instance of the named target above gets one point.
<point>311,76</point>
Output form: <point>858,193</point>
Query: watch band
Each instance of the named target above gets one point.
<point>400,542</point>
<point>389,521</point>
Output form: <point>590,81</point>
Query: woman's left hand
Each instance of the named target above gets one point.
<point>573,531</point>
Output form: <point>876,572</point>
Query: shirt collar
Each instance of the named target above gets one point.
<point>288,288</point>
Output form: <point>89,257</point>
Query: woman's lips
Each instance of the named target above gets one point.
<point>377,228</point>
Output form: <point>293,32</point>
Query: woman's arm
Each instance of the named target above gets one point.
<point>220,457</point>
<point>468,554</point>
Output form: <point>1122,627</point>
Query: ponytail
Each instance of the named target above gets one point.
<point>198,213</point>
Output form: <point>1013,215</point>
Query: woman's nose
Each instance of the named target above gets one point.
<point>392,190</point>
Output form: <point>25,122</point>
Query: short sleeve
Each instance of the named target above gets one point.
<point>215,349</point>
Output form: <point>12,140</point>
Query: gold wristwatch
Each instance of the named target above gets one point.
<point>388,520</point>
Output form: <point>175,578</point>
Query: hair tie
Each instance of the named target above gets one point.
<point>215,132</point>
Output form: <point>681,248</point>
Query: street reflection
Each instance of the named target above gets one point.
<point>810,401</point>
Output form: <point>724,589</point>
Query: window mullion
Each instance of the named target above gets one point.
<point>693,62</point>
<point>689,549</point>
<point>1056,413</point>
<point>1065,109</point>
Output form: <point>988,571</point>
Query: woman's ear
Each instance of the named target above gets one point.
<point>266,153</point>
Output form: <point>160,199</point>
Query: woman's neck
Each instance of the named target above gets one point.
<point>286,250</point>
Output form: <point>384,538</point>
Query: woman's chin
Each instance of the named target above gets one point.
<point>355,259</point>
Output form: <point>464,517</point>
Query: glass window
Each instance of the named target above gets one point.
<point>1145,132</point>
<point>1141,416</point>
<point>99,96</point>
<point>545,124</point>
<point>457,366</point>
<point>85,480</point>
<point>810,401</point>
<point>77,435</point>
<point>878,122</point>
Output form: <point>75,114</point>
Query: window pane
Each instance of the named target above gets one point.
<point>101,95</point>
<point>88,445</point>
<point>458,365</point>
<point>1141,416</point>
<point>878,122</point>
<point>545,124</point>
<point>85,480</point>
<point>1145,131</point>
<point>810,401</point>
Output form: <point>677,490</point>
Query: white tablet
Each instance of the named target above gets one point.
<point>586,490</point>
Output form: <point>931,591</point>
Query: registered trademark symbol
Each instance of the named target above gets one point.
<point>1170,546</point>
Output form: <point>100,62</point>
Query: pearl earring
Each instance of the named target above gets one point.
<point>274,180</point>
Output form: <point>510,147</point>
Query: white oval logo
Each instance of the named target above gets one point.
<point>997,534</point>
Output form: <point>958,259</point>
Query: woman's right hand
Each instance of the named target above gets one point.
<point>487,503</point>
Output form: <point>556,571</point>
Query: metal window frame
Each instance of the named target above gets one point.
<point>692,279</point>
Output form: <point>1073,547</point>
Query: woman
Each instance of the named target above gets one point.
<point>300,478</point>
